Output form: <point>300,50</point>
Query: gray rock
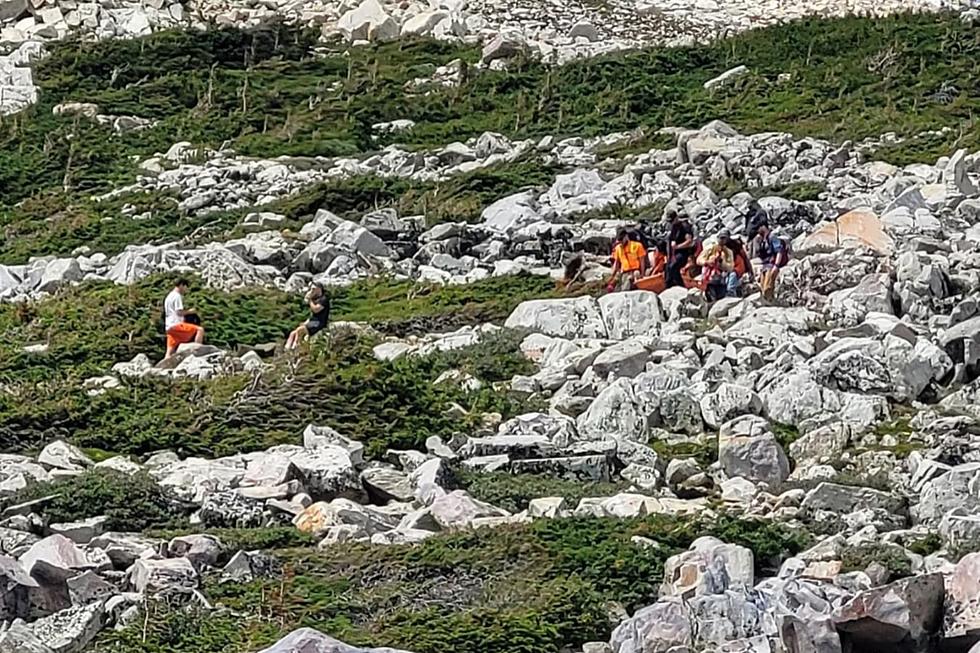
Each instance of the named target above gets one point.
<point>16,590</point>
<point>577,317</point>
<point>327,471</point>
<point>61,455</point>
<point>709,566</point>
<point>458,509</point>
<point>71,630</point>
<point>203,551</point>
<point>356,238</point>
<point>384,484</point>
<point>628,314</point>
<point>81,532</point>
<point>315,437</point>
<point>906,613</point>
<point>747,448</point>
<point>19,638</point>
<point>727,402</point>
<point>89,587</point>
<point>231,509</point>
<point>123,549</point>
<point>58,553</point>
<point>579,468</point>
<point>149,576</point>
<point>503,46</point>
<point>844,499</point>
<point>658,628</point>
<point>246,566</point>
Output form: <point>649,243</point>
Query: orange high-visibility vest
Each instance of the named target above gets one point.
<point>629,255</point>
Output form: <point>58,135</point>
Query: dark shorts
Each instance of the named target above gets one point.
<point>315,326</point>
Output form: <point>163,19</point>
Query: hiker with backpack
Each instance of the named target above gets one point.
<point>681,247</point>
<point>774,253</point>
<point>319,303</point>
<point>181,324</point>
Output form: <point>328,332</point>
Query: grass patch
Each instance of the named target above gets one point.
<point>340,384</point>
<point>132,502</point>
<point>541,588</point>
<point>265,92</point>
<point>892,557</point>
<point>245,539</point>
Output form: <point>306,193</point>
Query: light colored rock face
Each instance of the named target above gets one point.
<point>748,449</point>
<point>308,640</point>
<point>563,318</point>
<point>149,576</point>
<point>628,314</point>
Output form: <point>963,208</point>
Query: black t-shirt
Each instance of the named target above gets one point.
<point>679,232</point>
<point>321,316</point>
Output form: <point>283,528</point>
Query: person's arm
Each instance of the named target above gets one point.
<point>644,264</point>
<point>316,306</point>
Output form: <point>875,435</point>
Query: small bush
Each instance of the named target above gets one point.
<point>892,557</point>
<point>131,502</point>
<point>247,539</point>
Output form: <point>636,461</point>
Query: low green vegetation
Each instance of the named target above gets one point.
<point>56,223</point>
<point>891,557</point>
<point>90,327</point>
<point>245,539</point>
<point>514,491</point>
<point>339,384</point>
<point>265,91</point>
<point>543,587</point>
<point>132,502</point>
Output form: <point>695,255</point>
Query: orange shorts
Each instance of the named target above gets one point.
<point>181,333</point>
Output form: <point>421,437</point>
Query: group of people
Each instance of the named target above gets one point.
<point>725,262</point>
<point>183,325</point>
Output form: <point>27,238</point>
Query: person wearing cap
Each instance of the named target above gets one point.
<point>319,303</point>
<point>629,261</point>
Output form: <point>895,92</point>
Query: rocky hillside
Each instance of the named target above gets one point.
<point>483,455</point>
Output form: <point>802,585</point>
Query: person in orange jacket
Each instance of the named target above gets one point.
<point>629,261</point>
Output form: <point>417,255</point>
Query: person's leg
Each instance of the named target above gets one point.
<point>296,337</point>
<point>731,286</point>
<point>171,347</point>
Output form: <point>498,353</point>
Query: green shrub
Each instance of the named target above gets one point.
<point>132,502</point>
<point>892,557</point>
<point>535,588</point>
<point>247,539</point>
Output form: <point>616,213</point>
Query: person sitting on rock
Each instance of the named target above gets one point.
<point>319,303</point>
<point>179,329</point>
<point>741,265</point>
<point>629,261</point>
<point>774,254</point>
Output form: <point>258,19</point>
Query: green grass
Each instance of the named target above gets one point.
<point>264,91</point>
<point>339,384</point>
<point>55,223</point>
<point>131,502</point>
<point>536,588</point>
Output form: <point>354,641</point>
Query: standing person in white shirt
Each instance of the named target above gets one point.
<point>179,330</point>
